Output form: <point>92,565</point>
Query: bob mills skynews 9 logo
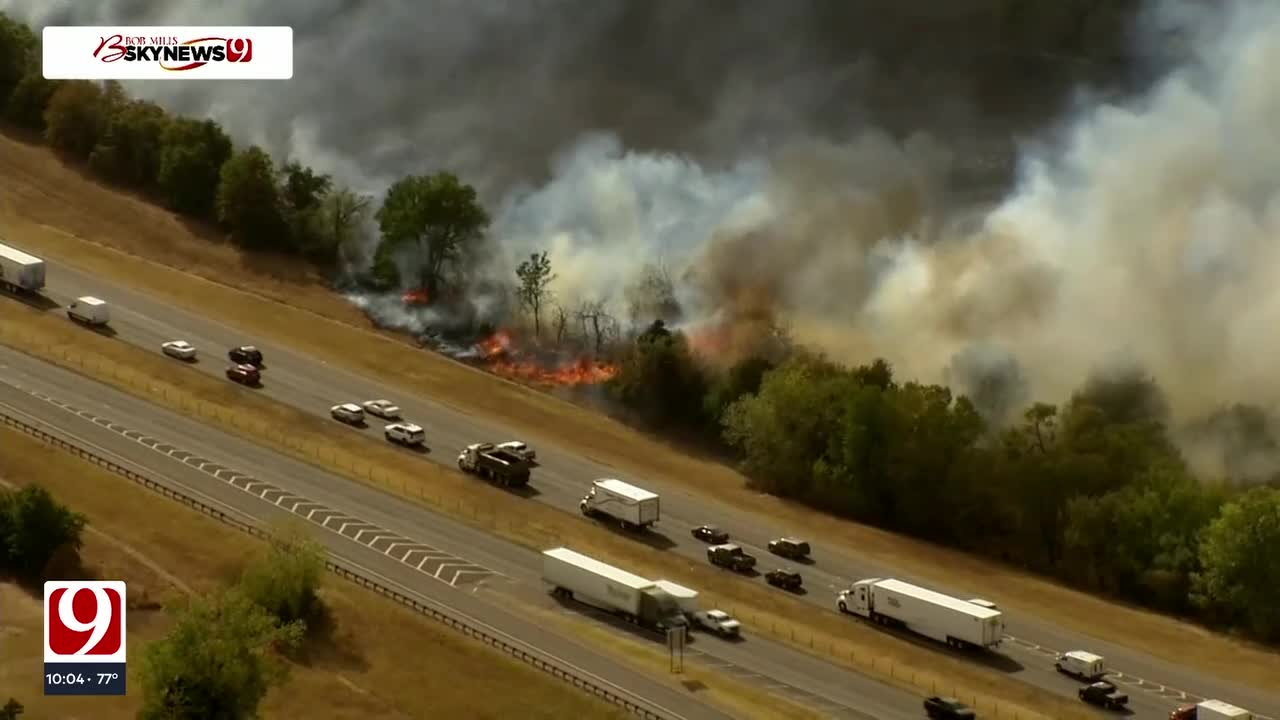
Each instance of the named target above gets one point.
<point>168,53</point>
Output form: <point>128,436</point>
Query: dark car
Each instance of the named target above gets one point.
<point>1103,694</point>
<point>711,534</point>
<point>785,579</point>
<point>246,355</point>
<point>946,708</point>
<point>244,374</point>
<point>789,548</point>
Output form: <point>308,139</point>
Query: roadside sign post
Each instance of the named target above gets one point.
<point>675,644</point>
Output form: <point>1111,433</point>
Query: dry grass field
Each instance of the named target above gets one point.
<point>53,210</point>
<point>379,660</point>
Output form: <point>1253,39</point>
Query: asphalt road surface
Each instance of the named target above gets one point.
<point>427,553</point>
<point>1155,684</point>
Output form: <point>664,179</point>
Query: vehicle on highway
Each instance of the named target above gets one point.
<point>789,547</point>
<point>244,374</point>
<point>711,534</point>
<point>384,409</point>
<point>894,603</point>
<point>490,463</point>
<point>947,708</point>
<point>785,579</point>
<point>89,310</point>
<point>245,355</point>
<point>19,271</point>
<point>632,507</point>
<point>1081,665</point>
<point>732,557</point>
<point>575,576</point>
<point>406,434</point>
<point>180,349</point>
<point>519,448</point>
<point>717,622</point>
<point>1210,710</point>
<point>686,598</point>
<point>1103,694</point>
<point>349,413</point>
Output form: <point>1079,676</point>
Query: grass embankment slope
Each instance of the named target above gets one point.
<point>56,211</point>
<point>378,659</point>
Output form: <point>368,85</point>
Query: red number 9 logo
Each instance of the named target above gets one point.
<point>239,50</point>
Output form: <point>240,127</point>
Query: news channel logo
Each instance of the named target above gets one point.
<point>84,637</point>
<point>168,53</point>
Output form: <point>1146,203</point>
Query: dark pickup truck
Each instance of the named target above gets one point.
<point>1103,694</point>
<point>732,557</point>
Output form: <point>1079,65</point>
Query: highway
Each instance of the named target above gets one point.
<point>313,386</point>
<point>427,553</point>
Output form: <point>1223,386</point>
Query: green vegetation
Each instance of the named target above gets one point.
<point>34,528</point>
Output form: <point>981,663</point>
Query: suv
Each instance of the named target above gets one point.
<point>244,374</point>
<point>349,413</point>
<point>1104,694</point>
<point>947,708</point>
<point>732,557</point>
<point>711,534</point>
<point>785,579</point>
<point>405,434</point>
<point>246,355</point>
<point>789,548</point>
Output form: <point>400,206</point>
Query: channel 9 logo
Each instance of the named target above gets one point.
<point>84,637</point>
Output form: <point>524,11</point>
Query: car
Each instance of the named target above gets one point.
<point>789,547</point>
<point>718,622</point>
<point>1103,694</point>
<point>947,708</point>
<point>349,413</point>
<point>405,434</point>
<point>245,355</point>
<point>711,534</point>
<point>244,374</point>
<point>384,409</point>
<point>785,579</point>
<point>180,349</point>
<point>519,449</point>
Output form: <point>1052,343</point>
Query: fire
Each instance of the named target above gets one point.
<point>500,356</point>
<point>496,345</point>
<point>418,296</point>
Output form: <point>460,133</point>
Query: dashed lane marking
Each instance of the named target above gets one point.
<point>434,563</point>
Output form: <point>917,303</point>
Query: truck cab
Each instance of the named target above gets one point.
<point>857,599</point>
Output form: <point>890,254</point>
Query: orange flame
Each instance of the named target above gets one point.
<point>498,350</point>
<point>418,296</point>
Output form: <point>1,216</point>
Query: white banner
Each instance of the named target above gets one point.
<point>168,53</point>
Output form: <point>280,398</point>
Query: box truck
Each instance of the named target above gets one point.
<point>1210,710</point>
<point>895,603</point>
<point>575,576</point>
<point>89,310</point>
<point>19,271</point>
<point>631,506</point>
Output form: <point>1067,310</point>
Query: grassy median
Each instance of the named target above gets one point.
<point>368,460</point>
<point>56,211</point>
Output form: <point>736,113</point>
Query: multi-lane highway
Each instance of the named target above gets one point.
<point>427,553</point>
<point>313,386</point>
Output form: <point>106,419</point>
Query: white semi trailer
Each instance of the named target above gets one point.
<point>632,507</point>
<point>575,576</point>
<point>19,271</point>
<point>894,603</point>
<point>686,598</point>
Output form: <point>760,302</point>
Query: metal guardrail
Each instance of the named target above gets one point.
<point>472,628</point>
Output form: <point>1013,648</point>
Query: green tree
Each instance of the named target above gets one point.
<point>29,99</point>
<point>342,215</point>
<point>249,201</point>
<point>129,150</point>
<point>18,45</point>
<point>11,710</point>
<point>75,118</point>
<point>303,192</point>
<point>1240,579</point>
<point>661,381</point>
<point>535,286</point>
<point>36,527</point>
<point>741,379</point>
<point>285,580</point>
<point>192,153</point>
<point>218,660</point>
<point>438,216</point>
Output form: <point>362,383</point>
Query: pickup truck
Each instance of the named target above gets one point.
<point>1103,694</point>
<point>731,557</point>
<point>718,622</point>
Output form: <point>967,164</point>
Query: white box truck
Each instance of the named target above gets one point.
<point>1210,710</point>
<point>89,310</point>
<point>575,576</point>
<point>631,506</point>
<point>19,271</point>
<point>895,603</point>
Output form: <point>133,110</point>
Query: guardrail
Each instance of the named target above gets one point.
<point>472,628</point>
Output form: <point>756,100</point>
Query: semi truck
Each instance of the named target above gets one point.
<point>575,576</point>
<point>90,311</point>
<point>19,271</point>
<point>895,603</point>
<point>492,463</point>
<point>631,506</point>
<point>686,598</point>
<point>1210,710</point>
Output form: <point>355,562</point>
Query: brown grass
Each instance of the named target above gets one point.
<point>367,460</point>
<point>381,660</point>
<point>51,209</point>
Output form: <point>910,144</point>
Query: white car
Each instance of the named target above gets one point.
<point>180,349</point>
<point>382,408</point>
<point>348,413</point>
<point>519,448</point>
<point>405,434</point>
<point>717,621</point>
